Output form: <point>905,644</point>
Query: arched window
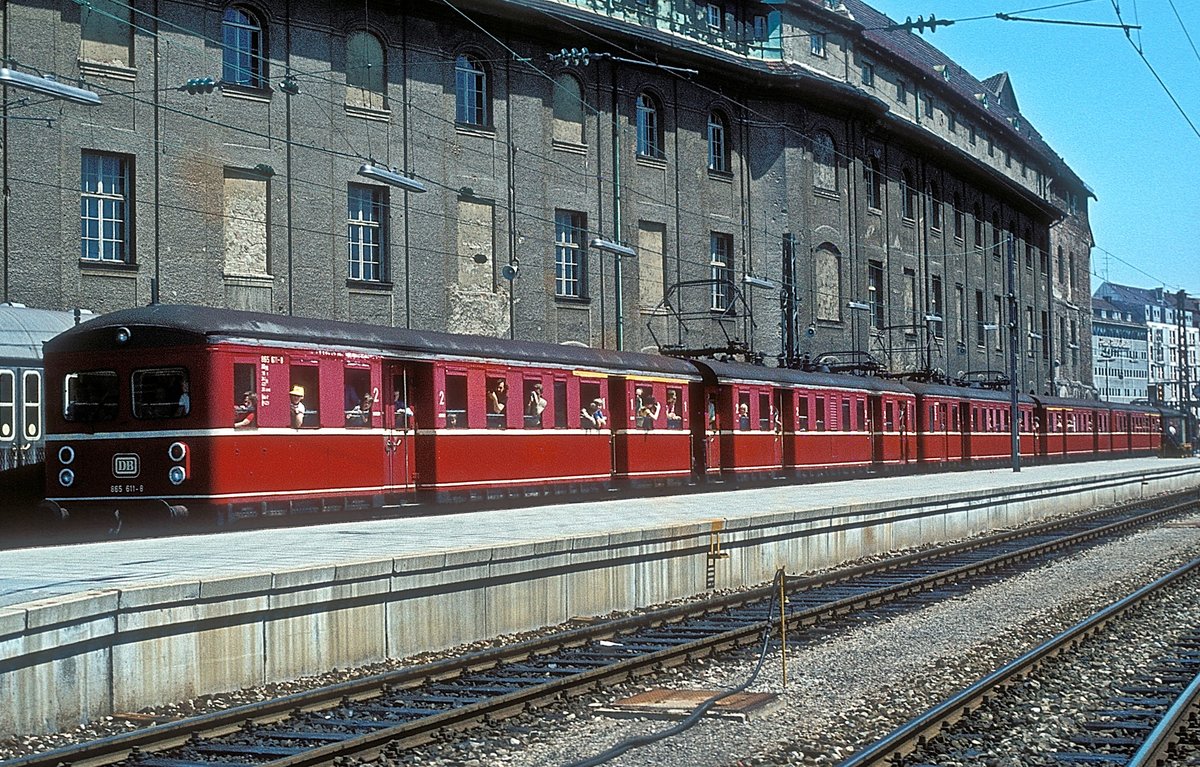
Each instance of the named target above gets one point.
<point>244,59</point>
<point>718,142</point>
<point>471,104</point>
<point>568,110</point>
<point>366,75</point>
<point>824,162</point>
<point>908,191</point>
<point>874,182</point>
<point>649,127</point>
<point>935,206</point>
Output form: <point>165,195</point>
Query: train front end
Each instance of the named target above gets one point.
<point>122,430</point>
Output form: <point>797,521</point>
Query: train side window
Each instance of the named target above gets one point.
<point>245,395</point>
<point>161,393</point>
<point>358,398</point>
<point>802,413</point>
<point>496,402</point>
<point>8,405</point>
<point>591,401</point>
<point>90,397</point>
<point>846,425</point>
<point>862,414</point>
<point>534,397</point>
<point>456,401</point>
<point>819,413</point>
<point>31,396</point>
<point>889,416</point>
<point>764,412</point>
<point>304,396</point>
<point>560,404</point>
<point>743,411</point>
<point>673,409</point>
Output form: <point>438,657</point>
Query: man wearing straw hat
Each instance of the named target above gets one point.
<point>297,395</point>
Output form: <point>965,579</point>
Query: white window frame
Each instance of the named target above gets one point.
<point>366,233</point>
<point>104,191</point>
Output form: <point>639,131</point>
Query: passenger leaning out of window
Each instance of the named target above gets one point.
<point>360,414</point>
<point>647,414</point>
<point>297,397</point>
<point>592,416</point>
<point>246,412</point>
<point>534,406</point>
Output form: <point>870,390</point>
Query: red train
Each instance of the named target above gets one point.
<point>231,415</point>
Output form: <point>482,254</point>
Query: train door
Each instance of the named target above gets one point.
<point>712,429</point>
<point>877,426</point>
<point>785,424</point>
<point>964,430</point>
<point>400,426</point>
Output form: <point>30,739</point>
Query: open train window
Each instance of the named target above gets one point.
<point>560,404</point>
<point>862,414</point>
<point>743,411</point>
<point>456,401</point>
<point>358,397</point>
<point>245,395</point>
<point>889,416</point>
<point>305,384</point>
<point>534,396</point>
<point>496,401</point>
<point>591,401</point>
<point>764,412</point>
<point>819,413</point>
<point>673,409</point>
<point>90,397</point>
<point>31,397</point>
<point>8,405</point>
<point>802,413</point>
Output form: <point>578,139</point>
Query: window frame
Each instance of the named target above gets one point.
<point>356,267</point>
<point>570,229</point>
<point>719,157</point>
<point>472,93</point>
<point>244,58</point>
<point>720,245</point>
<point>648,120</point>
<point>112,209</point>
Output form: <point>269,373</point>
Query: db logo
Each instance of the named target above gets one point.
<point>126,465</point>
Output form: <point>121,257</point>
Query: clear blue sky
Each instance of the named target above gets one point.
<point>1099,106</point>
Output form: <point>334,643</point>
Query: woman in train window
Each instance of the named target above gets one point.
<point>246,412</point>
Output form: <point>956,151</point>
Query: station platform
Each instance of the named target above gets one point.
<point>89,630</point>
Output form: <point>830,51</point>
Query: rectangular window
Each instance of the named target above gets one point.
<point>901,92</point>
<point>358,398</point>
<point>910,301</point>
<point>8,405</point>
<point>560,404</point>
<point>960,309</point>
<point>868,74</point>
<point>496,400</point>
<point>105,202</point>
<point>845,425</point>
<point>875,293</point>
<point>816,44</point>
<point>764,412</point>
<point>31,392</point>
<point>819,413</point>
<point>245,395</point>
<point>1045,335</point>
<point>161,393</point>
<point>306,412</point>
<point>366,232</point>
<point>569,250</point>
<point>456,401</point>
<point>90,397</point>
<point>802,413</point>
<point>862,415</point>
<point>714,16</point>
<point>999,322</point>
<point>938,325</point>
<point>760,28</point>
<point>743,420</point>
<point>952,121</point>
<point>928,106</point>
<point>721,262</point>
<point>980,321</point>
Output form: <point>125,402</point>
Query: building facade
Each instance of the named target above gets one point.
<point>879,197</point>
<point>1172,332</point>
<point>1119,352</point>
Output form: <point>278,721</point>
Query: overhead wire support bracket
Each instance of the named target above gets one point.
<point>1068,22</point>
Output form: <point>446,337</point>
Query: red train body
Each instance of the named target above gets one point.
<point>235,415</point>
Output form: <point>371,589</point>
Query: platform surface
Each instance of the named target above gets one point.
<point>32,574</point>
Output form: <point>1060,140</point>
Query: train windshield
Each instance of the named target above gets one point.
<point>161,393</point>
<point>90,396</point>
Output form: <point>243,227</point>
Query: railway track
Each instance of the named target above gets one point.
<point>1143,717</point>
<point>415,705</point>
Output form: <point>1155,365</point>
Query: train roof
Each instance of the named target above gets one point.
<point>178,325</point>
<point>23,331</point>
<point>965,392</point>
<point>738,371</point>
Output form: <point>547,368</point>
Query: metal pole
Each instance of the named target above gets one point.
<point>618,304</point>
<point>1013,317</point>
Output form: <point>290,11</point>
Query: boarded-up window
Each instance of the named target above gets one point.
<point>568,110</point>
<point>828,264</point>
<point>651,263</point>
<point>245,223</point>
<point>824,165</point>
<point>475,243</point>
<point>105,34</point>
<point>366,78</point>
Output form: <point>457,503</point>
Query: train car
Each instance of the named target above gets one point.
<point>778,422</point>
<point>1070,427</point>
<point>22,332</point>
<point>235,414</point>
<point>958,424</point>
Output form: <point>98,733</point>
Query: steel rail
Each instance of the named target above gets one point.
<point>165,736</point>
<point>1156,750</point>
<point>904,739</point>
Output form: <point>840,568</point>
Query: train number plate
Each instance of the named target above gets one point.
<point>127,465</point>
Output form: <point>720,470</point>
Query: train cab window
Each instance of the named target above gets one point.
<point>8,405</point>
<point>161,393</point>
<point>673,408</point>
<point>743,411</point>
<point>358,398</point>
<point>455,400</point>
<point>560,404</point>
<point>90,397</point>
<point>304,397</point>
<point>534,397</point>
<point>846,425</point>
<point>711,419</point>
<point>802,413</point>
<point>31,394</point>
<point>496,401</point>
<point>819,413</point>
<point>889,416</point>
<point>764,412</point>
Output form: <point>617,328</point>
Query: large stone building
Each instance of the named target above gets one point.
<point>801,143</point>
